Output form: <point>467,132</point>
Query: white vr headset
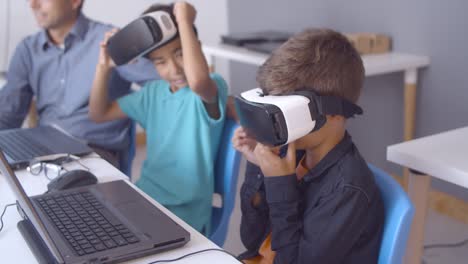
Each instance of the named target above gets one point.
<point>141,36</point>
<point>276,120</point>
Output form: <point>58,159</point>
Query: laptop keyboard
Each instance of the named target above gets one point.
<point>20,147</point>
<point>85,223</point>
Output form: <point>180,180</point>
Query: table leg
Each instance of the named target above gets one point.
<point>411,77</point>
<point>418,191</point>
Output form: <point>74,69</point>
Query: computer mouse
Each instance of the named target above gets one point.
<point>72,179</point>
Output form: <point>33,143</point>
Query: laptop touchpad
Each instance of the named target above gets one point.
<point>117,192</point>
<point>148,219</point>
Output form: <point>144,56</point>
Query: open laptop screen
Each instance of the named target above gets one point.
<point>27,206</point>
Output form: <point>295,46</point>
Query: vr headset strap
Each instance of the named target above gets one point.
<point>332,105</point>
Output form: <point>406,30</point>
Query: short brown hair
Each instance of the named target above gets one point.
<point>321,60</point>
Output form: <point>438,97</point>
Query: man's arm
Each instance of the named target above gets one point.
<point>195,66</point>
<point>323,233</point>
<point>16,95</point>
<point>100,109</point>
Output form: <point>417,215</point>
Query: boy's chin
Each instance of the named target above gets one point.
<point>180,86</point>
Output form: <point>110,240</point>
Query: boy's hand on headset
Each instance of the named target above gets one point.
<point>104,58</point>
<point>184,12</point>
<point>272,164</point>
<point>244,144</point>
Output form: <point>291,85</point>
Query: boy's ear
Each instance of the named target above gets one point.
<point>76,4</point>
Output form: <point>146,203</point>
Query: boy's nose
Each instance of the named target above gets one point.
<point>175,67</point>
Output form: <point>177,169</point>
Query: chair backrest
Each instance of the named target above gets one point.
<point>126,159</point>
<point>399,213</point>
<point>226,173</point>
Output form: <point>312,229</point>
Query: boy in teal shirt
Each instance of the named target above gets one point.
<point>183,116</point>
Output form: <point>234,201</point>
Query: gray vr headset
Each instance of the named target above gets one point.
<point>276,120</point>
<point>141,36</point>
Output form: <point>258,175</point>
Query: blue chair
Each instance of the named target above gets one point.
<point>226,172</point>
<point>399,213</point>
<point>126,160</point>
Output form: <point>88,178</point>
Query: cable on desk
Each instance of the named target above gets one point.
<point>453,245</point>
<point>3,213</point>
<point>191,254</point>
<point>435,246</point>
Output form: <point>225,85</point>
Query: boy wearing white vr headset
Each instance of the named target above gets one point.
<point>183,115</point>
<point>316,200</point>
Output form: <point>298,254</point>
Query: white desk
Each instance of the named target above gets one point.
<point>13,249</point>
<point>373,64</point>
<point>443,156</point>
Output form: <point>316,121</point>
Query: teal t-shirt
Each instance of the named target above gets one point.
<point>182,143</point>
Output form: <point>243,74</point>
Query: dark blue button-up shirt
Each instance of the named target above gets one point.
<point>335,214</point>
<point>60,80</point>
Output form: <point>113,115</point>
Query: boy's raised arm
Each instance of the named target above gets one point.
<point>195,66</point>
<point>100,109</point>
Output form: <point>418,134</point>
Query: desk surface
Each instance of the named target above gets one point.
<point>373,64</point>
<point>15,250</point>
<point>443,156</point>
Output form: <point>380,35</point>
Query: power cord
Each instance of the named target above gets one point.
<point>448,245</point>
<point>3,213</point>
<point>191,254</point>
<point>453,245</point>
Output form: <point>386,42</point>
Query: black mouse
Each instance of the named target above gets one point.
<point>72,179</point>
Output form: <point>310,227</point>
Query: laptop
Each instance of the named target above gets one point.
<point>243,38</point>
<point>102,223</point>
<point>23,145</point>
<point>264,47</point>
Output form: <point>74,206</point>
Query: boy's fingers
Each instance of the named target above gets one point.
<point>110,33</point>
<point>250,142</point>
<point>291,155</point>
<point>245,149</point>
<point>234,142</point>
<point>236,135</point>
<point>237,131</point>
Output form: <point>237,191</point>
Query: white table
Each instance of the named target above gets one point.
<point>373,64</point>
<point>13,248</point>
<point>443,156</point>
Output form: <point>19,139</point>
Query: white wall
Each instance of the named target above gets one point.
<point>211,21</point>
<point>3,34</point>
<point>17,22</point>
<point>113,12</point>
